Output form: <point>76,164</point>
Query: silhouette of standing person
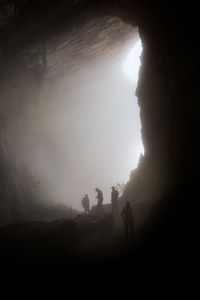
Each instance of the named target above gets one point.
<point>127,216</point>
<point>100,201</point>
<point>86,204</point>
<point>114,201</point>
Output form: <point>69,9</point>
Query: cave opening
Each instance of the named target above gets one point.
<point>33,69</point>
<point>75,122</point>
<point>88,128</point>
<point>92,120</point>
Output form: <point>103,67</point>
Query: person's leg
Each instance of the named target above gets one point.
<point>116,209</point>
<point>126,231</point>
<point>132,231</point>
<point>102,212</point>
<point>113,209</point>
<point>98,209</point>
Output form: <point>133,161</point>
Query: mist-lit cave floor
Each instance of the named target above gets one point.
<point>88,242</point>
<point>84,240</point>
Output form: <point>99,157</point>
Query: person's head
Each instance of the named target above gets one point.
<point>127,204</point>
<point>113,188</point>
<point>96,189</point>
<point>86,195</point>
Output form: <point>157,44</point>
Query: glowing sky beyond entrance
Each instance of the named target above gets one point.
<point>130,69</point>
<point>132,63</point>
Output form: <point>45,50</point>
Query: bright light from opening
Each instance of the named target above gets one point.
<point>130,68</point>
<point>132,63</point>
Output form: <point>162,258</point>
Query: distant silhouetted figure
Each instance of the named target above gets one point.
<point>86,204</point>
<point>114,201</point>
<point>127,216</point>
<point>100,201</point>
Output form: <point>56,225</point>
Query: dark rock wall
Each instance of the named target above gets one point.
<point>16,81</point>
<point>167,95</point>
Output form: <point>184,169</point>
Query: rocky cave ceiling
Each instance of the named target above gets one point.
<point>83,34</point>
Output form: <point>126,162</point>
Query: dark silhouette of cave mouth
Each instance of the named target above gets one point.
<point>165,177</point>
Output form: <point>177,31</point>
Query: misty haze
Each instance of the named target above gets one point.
<point>85,133</point>
<point>98,133</point>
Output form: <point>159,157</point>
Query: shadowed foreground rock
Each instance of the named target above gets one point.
<point>91,243</point>
<point>87,239</point>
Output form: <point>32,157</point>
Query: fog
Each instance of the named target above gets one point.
<point>83,131</point>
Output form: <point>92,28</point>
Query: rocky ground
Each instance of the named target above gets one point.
<point>81,241</point>
<point>90,250</point>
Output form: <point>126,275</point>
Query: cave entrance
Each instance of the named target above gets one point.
<point>92,125</point>
<point>80,127</point>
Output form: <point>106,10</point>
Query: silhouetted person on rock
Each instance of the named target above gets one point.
<point>114,201</point>
<point>100,201</point>
<point>127,216</point>
<point>86,204</point>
